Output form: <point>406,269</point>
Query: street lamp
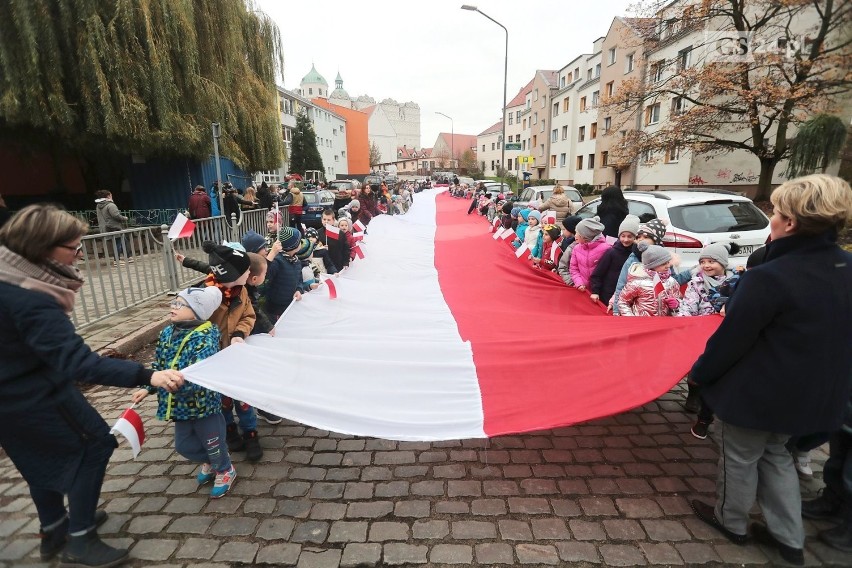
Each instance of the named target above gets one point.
<point>216,135</point>
<point>452,138</point>
<point>505,80</point>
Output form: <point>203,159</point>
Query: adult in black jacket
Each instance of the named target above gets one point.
<point>264,197</point>
<point>55,438</point>
<point>612,210</point>
<point>779,364</point>
<point>338,249</point>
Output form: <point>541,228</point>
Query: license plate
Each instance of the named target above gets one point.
<point>746,250</point>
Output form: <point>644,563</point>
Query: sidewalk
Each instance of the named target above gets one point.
<point>130,330</point>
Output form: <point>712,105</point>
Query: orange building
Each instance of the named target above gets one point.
<point>357,142</point>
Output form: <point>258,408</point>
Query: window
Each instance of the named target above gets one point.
<point>483,147</point>
<point>673,155</point>
<point>576,73</point>
<point>311,91</point>
<point>684,58</point>
<point>525,124</point>
<point>611,55</point>
<point>543,123</point>
<point>554,135</point>
<point>657,71</point>
<point>607,124</point>
<point>535,118</point>
<point>609,89</point>
<point>336,158</point>
<point>524,145</point>
<point>534,140</point>
<point>517,116</point>
<point>652,114</point>
<point>593,131</point>
<point>647,156</point>
<point>553,161</point>
<point>517,137</point>
<point>341,129</point>
<point>562,82</point>
<point>510,119</point>
<point>598,70</point>
<point>541,150</point>
<point>591,165</point>
<point>544,101</point>
<point>493,146</point>
<point>563,160</point>
<point>582,134</point>
<point>589,74</point>
<point>582,104</point>
<point>565,104</point>
<point>596,98</point>
<point>604,158</point>
<point>564,132</point>
<point>535,95</point>
<point>555,109</point>
<point>678,106</point>
<point>630,63</point>
<point>579,162</point>
<point>343,153</point>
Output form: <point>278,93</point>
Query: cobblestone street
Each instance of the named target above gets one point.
<point>613,492</point>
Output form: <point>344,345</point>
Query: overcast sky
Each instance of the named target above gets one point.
<point>433,53</point>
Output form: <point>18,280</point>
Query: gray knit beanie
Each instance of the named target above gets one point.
<point>629,225</point>
<point>590,228</point>
<point>718,252</point>
<point>654,256</point>
<point>202,301</point>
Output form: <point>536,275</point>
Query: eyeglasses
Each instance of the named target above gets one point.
<point>177,304</point>
<point>76,249</point>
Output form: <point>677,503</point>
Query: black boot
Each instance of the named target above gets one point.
<point>840,537</point>
<point>234,440</point>
<point>253,450</point>
<point>89,551</point>
<point>693,401</point>
<point>795,556</point>
<point>826,506</point>
<point>54,540</point>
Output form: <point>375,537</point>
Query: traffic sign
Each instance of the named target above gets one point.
<point>513,145</point>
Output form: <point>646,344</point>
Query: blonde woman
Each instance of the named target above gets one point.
<point>558,202</point>
<point>297,206</point>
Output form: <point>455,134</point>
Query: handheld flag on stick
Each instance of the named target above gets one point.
<point>358,252</point>
<point>129,425</point>
<point>358,226</point>
<point>523,252</point>
<point>499,233</point>
<point>332,232</point>
<point>181,228</point>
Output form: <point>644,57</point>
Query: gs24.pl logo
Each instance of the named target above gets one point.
<point>745,47</point>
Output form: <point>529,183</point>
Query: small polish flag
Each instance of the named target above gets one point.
<point>332,232</point>
<point>358,252</point>
<point>332,289</point>
<point>359,236</point>
<point>304,229</point>
<point>361,227</point>
<point>523,252</point>
<point>181,228</point>
<point>508,235</point>
<point>658,285</point>
<point>495,225</point>
<point>499,233</point>
<point>129,425</point>
<point>549,218</point>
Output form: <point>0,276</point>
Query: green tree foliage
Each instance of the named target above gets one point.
<point>375,154</point>
<point>120,77</point>
<point>817,144</point>
<point>304,154</point>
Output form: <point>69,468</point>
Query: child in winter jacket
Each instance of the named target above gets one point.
<point>196,411</point>
<point>284,274</point>
<point>521,229</point>
<point>506,217</point>
<point>346,233</point>
<point>590,248</point>
<point>709,290</point>
<point>650,288</point>
<point>605,274</point>
<point>568,241</point>
<point>551,251</point>
<point>532,236</point>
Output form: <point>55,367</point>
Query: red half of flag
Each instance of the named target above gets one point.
<point>332,289</point>
<point>181,228</point>
<point>358,236</point>
<point>658,285</point>
<point>332,232</point>
<point>361,227</point>
<point>358,252</point>
<point>129,425</point>
<point>508,235</point>
<point>523,252</point>
<point>495,225</point>
<point>498,233</point>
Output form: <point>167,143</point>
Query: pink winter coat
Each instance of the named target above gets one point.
<point>584,258</point>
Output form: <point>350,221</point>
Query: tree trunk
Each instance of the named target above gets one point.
<point>764,184</point>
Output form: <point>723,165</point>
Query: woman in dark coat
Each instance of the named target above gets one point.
<point>612,210</point>
<point>56,439</point>
<point>779,363</point>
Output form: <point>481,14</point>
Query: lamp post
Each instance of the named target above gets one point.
<point>216,135</point>
<point>452,138</point>
<point>505,80</point>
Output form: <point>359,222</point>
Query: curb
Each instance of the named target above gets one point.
<point>130,344</point>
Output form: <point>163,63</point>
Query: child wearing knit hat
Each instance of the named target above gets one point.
<point>702,295</point>
<point>196,411</point>
<point>605,275</point>
<point>650,288</point>
<point>591,246</point>
<point>567,244</point>
<point>532,236</point>
<point>551,252</point>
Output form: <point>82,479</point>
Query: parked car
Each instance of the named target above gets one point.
<point>468,180</point>
<point>697,218</point>
<point>541,193</point>
<point>315,202</point>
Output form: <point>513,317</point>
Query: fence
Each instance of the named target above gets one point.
<point>125,268</point>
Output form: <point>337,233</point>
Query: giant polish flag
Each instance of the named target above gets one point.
<point>439,333</point>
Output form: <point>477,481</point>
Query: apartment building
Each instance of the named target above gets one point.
<point>544,84</point>
<point>488,149</point>
<point>515,132</point>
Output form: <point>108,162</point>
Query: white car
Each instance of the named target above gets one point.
<point>541,193</point>
<point>696,218</point>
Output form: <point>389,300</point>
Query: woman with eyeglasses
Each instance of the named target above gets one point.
<point>56,439</point>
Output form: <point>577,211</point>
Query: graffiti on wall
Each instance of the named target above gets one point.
<point>696,180</point>
<point>744,177</point>
<point>724,174</point>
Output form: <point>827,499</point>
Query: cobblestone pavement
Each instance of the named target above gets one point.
<point>613,492</point>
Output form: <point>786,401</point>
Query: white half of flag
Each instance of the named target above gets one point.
<point>129,425</point>
<point>181,228</point>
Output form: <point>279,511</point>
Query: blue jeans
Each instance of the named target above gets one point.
<point>84,493</point>
<point>837,472</point>
<point>203,441</point>
<point>245,413</point>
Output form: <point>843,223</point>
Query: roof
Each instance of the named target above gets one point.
<point>409,152</point>
<point>427,152</point>
<point>645,27</point>
<point>496,127</point>
<point>369,110</point>
<point>521,97</point>
<point>551,78</point>
<point>459,142</point>
<point>313,76</point>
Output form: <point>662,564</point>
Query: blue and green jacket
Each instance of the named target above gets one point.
<point>178,348</point>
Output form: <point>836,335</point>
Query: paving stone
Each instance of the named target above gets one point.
<point>357,555</point>
<point>182,487</point>
<point>234,526</point>
<point>517,471</point>
<point>302,457</point>
<point>120,504</point>
<point>243,552</point>
<point>154,549</point>
<point>224,505</point>
<point>451,508</point>
<point>348,531</point>
<point>253,487</point>
<point>430,529</point>
<point>298,508</point>
<point>327,490</point>
<point>494,553</point>
<point>153,486</point>
<point>150,504</point>
<point>415,509</point>
<point>586,530</point>
<point>18,549</point>
<point>661,553</point>
<point>574,551</point>
<point>451,554</point>
<point>622,555</point>
<point>310,531</point>
<point>275,529</point>
<point>308,473</point>
<point>550,529</point>
<point>428,488</point>
<point>529,505</point>
<point>514,530</point>
<point>190,525</point>
<point>329,459</point>
<point>674,505</point>
<point>351,445</point>
<point>328,511</point>
<point>9,527</point>
<point>286,554</point>
<point>325,445</point>
<point>361,490</point>
<point>291,489</point>
<point>263,506</point>
<point>488,507</point>
<point>452,471</point>
<point>434,456</point>
<point>399,554</point>
<point>537,554</point>
<point>185,505</point>
<point>631,486</point>
<point>639,508</point>
<point>573,487</point>
<point>539,487</point>
<point>500,488</point>
<point>665,531</point>
<point>148,524</point>
<point>409,471</point>
<point>464,530</point>
<point>697,553</point>
<point>565,508</point>
<point>623,529</point>
<point>457,488</point>
<point>319,559</point>
<point>392,489</point>
<point>733,554</point>
<point>383,531</point>
<point>198,548</point>
<point>669,485</point>
<point>343,474</point>
<point>394,458</point>
<point>372,510</point>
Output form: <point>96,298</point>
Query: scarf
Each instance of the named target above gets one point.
<point>711,283</point>
<point>227,293</point>
<point>53,278</point>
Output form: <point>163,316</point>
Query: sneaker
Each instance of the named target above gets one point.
<point>253,450</point>
<point>89,550</point>
<point>131,259</point>
<point>234,440</point>
<point>206,474</point>
<point>707,513</point>
<point>269,417</point>
<point>700,429</point>
<point>803,467</point>
<point>795,556</point>
<point>54,540</point>
<point>223,482</point>
<point>823,507</point>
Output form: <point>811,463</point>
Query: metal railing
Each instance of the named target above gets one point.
<point>125,268</point>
